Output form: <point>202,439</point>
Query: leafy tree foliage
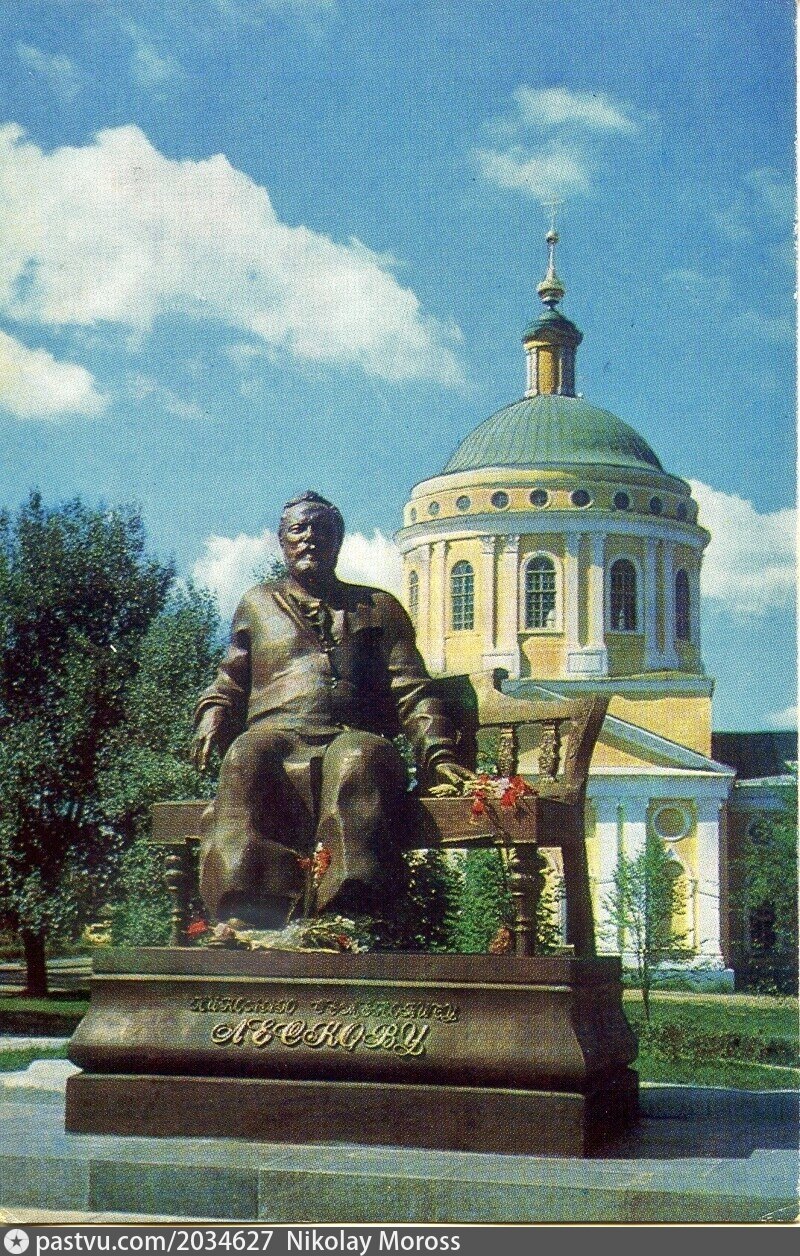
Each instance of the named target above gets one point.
<point>78,592</point>
<point>643,909</point>
<point>148,760</point>
<point>425,919</point>
<point>485,901</point>
<point>766,873</point>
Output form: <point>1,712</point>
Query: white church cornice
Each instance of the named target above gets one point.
<point>559,522</point>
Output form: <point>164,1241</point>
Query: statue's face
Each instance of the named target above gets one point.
<point>310,540</point>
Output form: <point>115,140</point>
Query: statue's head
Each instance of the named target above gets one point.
<point>311,532</point>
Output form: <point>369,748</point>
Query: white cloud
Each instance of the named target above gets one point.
<point>230,565</point>
<point>151,69</point>
<point>116,232</point>
<point>764,196</point>
<point>34,385</point>
<point>698,287</point>
<point>56,70</point>
<point>248,9</point>
<point>560,159</point>
<point>750,566</point>
<point>143,388</point>
<point>558,171</point>
<point>787,718</point>
<point>552,107</point>
<point>371,560</point>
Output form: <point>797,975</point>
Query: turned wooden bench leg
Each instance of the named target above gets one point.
<point>525,883</point>
<point>176,876</point>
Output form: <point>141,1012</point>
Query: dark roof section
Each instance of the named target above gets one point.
<point>755,755</point>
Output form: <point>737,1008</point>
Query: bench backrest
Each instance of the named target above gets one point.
<point>562,731</point>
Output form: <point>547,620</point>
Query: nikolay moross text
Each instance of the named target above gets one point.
<point>388,1241</point>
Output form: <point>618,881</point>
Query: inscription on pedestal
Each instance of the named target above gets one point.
<point>402,1028</point>
<point>404,1038</point>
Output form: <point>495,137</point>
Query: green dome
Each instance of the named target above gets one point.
<point>550,430</point>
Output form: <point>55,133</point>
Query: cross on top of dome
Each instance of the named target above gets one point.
<point>551,289</point>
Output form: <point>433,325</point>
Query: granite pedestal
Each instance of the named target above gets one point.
<point>484,1053</point>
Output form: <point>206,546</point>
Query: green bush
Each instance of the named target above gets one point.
<point>140,912</point>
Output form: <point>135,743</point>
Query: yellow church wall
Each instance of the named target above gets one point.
<point>442,492</point>
<point>686,557</point>
<point>686,917</point>
<point>542,650</point>
<point>608,754</point>
<point>548,369</point>
<point>542,654</point>
<point>682,718</point>
<point>626,649</point>
<point>624,546</point>
<point>463,647</point>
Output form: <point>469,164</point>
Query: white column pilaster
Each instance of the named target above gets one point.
<point>438,610</point>
<point>570,592</point>
<point>652,654</point>
<point>532,371</point>
<point>422,559</point>
<point>670,652</point>
<point>488,597</point>
<point>607,838</point>
<point>592,658</point>
<point>506,652</point>
<point>634,839</point>
<point>707,919</point>
<point>597,545</point>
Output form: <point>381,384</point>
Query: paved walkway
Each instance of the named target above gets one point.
<point>698,1155</point>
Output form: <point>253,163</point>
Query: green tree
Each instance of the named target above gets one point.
<point>643,910</point>
<point>766,874</point>
<point>78,592</point>
<point>426,919</point>
<point>486,902</point>
<point>148,759</point>
<point>549,938</point>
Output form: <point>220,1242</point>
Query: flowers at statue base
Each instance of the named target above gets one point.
<point>317,864</point>
<point>507,790</point>
<point>197,928</point>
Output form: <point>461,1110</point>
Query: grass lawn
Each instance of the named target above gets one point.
<point>749,1042</point>
<point>15,1061</point>
<point>57,1016</point>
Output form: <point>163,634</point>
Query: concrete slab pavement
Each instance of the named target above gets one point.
<point>698,1155</point>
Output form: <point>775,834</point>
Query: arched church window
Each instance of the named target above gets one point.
<point>462,596</point>
<point>540,593</point>
<point>623,596</point>
<point>413,596</point>
<point>683,629</point>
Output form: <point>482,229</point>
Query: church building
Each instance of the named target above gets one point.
<point>555,545</point>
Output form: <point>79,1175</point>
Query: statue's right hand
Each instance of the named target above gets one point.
<point>207,736</point>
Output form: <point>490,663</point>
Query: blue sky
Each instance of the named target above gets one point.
<point>250,246</point>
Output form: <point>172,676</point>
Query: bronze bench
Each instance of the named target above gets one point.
<point>561,732</point>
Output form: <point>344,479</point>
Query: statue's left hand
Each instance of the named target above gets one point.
<point>450,778</point>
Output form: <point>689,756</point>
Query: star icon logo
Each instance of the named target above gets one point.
<point>16,1241</point>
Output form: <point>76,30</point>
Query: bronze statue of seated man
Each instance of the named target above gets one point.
<point>318,678</point>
